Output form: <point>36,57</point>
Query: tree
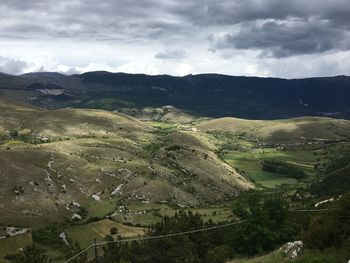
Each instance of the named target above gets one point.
<point>266,226</point>
<point>32,254</point>
<point>82,258</point>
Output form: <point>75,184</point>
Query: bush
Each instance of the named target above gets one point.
<point>48,235</point>
<point>173,148</point>
<point>113,231</point>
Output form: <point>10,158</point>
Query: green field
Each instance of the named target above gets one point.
<point>249,163</point>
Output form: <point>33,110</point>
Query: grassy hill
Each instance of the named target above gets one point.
<point>296,129</point>
<point>51,160</point>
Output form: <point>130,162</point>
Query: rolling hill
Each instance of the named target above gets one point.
<point>54,163</point>
<point>318,129</point>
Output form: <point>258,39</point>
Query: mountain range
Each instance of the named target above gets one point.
<point>211,95</point>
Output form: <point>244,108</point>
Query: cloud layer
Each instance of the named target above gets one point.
<point>239,37</point>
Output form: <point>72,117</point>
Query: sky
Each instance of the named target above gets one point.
<point>267,38</point>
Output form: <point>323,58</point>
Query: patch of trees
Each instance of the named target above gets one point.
<point>282,168</point>
<point>48,235</point>
<point>267,226</point>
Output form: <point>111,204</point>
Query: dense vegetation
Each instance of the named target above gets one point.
<point>282,168</point>
<point>328,234</point>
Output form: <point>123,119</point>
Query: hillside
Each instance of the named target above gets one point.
<point>54,163</point>
<point>295,130</point>
<point>211,95</point>
<point>83,172</point>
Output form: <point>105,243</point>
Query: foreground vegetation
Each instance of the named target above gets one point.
<point>268,225</point>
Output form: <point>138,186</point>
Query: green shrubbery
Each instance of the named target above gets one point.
<point>331,228</point>
<point>48,235</point>
<point>282,168</point>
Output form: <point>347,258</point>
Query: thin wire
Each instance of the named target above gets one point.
<point>155,237</point>
<point>180,233</point>
<point>308,210</point>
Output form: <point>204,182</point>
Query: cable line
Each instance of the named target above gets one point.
<point>155,237</point>
<point>179,234</point>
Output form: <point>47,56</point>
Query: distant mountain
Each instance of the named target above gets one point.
<point>210,95</point>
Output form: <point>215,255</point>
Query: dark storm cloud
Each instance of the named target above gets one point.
<point>279,28</point>
<point>207,12</point>
<point>150,19</point>
<point>282,39</point>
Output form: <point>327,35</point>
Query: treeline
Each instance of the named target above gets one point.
<point>282,168</point>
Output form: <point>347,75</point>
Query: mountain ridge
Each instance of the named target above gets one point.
<point>211,95</point>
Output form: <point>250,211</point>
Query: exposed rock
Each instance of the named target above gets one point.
<point>292,249</point>
<point>52,92</point>
<point>117,190</point>
<point>76,217</point>
<point>96,197</point>
<point>63,236</point>
<point>324,202</point>
<point>14,231</point>
<point>75,204</point>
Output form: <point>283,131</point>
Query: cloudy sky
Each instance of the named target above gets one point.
<point>291,38</point>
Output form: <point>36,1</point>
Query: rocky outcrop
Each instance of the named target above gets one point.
<point>292,249</point>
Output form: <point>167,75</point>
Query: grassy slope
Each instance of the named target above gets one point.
<point>282,130</point>
<point>93,152</point>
